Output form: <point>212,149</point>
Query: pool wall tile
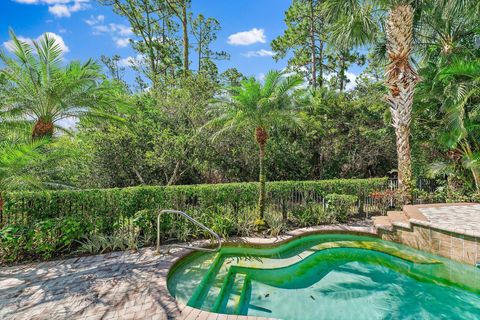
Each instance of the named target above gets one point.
<point>455,246</point>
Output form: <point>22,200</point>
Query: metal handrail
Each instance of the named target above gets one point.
<point>197,223</point>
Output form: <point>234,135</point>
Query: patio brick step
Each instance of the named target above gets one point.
<point>399,219</point>
<point>382,222</point>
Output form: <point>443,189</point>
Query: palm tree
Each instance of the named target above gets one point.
<point>259,108</point>
<point>36,88</point>
<point>403,24</point>
<point>359,24</point>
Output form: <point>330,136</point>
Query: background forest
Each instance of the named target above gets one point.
<point>153,131</point>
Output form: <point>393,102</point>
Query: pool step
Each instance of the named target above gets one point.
<point>382,222</point>
<point>398,219</point>
<point>208,289</point>
<point>230,296</point>
<point>391,220</point>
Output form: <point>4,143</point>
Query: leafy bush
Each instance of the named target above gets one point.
<point>342,205</point>
<point>44,238</point>
<point>13,241</point>
<point>51,222</point>
<point>311,215</point>
<point>96,205</point>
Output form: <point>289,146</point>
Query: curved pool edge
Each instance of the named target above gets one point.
<point>186,312</point>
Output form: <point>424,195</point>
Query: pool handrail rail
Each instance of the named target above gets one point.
<point>194,221</point>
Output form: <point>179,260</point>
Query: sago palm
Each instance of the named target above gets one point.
<point>258,108</point>
<point>37,88</point>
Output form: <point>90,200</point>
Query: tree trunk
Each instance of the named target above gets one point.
<point>313,47</point>
<point>401,79</point>
<point>185,38</point>
<point>261,137</point>
<point>42,129</point>
<point>320,69</point>
<point>342,72</point>
<point>404,162</point>
<point>200,53</point>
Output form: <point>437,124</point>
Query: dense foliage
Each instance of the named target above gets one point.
<point>52,222</point>
<point>73,125</point>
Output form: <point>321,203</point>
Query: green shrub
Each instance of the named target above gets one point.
<point>51,222</point>
<point>102,207</point>
<point>45,238</point>
<point>275,223</point>
<point>13,241</point>
<point>146,223</point>
<point>342,205</point>
<point>311,215</point>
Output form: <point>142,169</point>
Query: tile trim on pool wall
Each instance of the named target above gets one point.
<point>451,244</point>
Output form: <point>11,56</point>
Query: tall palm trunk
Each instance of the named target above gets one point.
<point>43,129</point>
<point>261,136</point>
<point>401,79</point>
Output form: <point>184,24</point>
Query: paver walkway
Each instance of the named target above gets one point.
<point>126,285</point>
<point>459,218</point>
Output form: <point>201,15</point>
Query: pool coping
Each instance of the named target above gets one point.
<point>185,312</point>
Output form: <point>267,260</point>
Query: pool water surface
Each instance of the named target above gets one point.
<point>328,276</point>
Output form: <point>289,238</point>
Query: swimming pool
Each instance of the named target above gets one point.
<point>328,276</point>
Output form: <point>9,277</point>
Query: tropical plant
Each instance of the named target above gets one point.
<point>38,89</point>
<point>394,27</point>
<point>16,161</point>
<point>459,86</point>
<point>359,24</point>
<point>259,107</point>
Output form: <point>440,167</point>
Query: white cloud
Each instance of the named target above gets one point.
<point>94,20</point>
<point>58,39</point>
<point>122,42</point>
<point>121,29</point>
<point>27,1</point>
<point>130,61</point>
<point>60,11</point>
<point>261,76</point>
<point>246,38</point>
<point>353,81</point>
<point>120,33</point>
<point>259,53</point>
<point>126,62</point>
<point>60,8</point>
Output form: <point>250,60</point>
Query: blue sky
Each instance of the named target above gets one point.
<point>89,30</point>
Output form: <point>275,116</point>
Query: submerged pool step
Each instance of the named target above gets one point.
<point>224,284</point>
<point>231,295</point>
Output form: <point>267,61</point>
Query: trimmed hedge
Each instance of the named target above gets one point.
<point>31,206</point>
<point>48,223</point>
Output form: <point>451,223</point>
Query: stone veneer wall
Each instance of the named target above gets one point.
<point>447,244</point>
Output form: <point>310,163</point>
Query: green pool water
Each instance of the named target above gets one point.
<point>328,276</point>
